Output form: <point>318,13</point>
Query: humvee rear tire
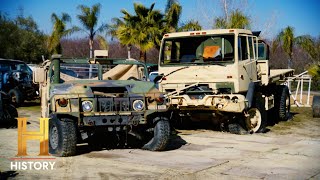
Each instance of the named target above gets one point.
<point>161,135</point>
<point>16,97</point>
<point>316,106</point>
<point>284,108</point>
<point>62,137</point>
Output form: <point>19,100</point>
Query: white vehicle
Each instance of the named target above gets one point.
<point>224,75</point>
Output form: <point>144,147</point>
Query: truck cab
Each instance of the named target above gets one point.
<point>214,70</point>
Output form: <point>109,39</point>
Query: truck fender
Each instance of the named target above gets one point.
<point>250,93</point>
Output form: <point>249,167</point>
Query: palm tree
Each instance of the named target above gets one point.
<point>103,43</point>
<point>89,20</point>
<point>312,47</point>
<point>59,31</point>
<point>172,15</point>
<point>236,20</point>
<point>143,29</point>
<point>286,39</point>
<point>191,25</point>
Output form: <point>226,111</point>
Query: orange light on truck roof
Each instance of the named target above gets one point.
<point>166,35</point>
<point>231,30</point>
<point>191,33</point>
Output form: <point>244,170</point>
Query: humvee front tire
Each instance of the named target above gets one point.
<point>161,135</point>
<point>62,137</point>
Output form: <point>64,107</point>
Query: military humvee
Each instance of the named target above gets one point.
<point>101,94</point>
<point>222,75</point>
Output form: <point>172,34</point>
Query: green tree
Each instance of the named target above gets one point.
<point>59,31</point>
<point>286,39</point>
<point>21,39</point>
<point>172,15</point>
<point>89,20</point>
<point>173,12</point>
<point>142,29</point>
<point>236,19</point>
<point>191,25</point>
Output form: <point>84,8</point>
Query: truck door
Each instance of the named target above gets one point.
<point>247,61</point>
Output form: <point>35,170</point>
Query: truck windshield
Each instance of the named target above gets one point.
<point>198,50</point>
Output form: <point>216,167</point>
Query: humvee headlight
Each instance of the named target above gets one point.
<point>138,105</point>
<point>63,102</point>
<point>87,106</point>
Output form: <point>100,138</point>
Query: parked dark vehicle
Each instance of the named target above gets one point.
<point>16,80</point>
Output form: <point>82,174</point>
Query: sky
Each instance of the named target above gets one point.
<point>270,16</point>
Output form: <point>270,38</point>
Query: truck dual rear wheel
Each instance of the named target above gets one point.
<point>62,137</point>
<point>161,135</point>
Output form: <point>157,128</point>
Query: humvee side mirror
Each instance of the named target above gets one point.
<point>39,75</point>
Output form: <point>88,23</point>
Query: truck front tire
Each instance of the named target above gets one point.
<point>256,120</point>
<point>161,135</point>
<point>62,137</point>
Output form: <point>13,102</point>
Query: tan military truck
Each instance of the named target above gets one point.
<point>103,101</point>
<point>222,75</point>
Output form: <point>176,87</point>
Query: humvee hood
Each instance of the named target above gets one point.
<point>88,86</point>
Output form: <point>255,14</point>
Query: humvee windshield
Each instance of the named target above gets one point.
<point>78,71</point>
<point>198,50</point>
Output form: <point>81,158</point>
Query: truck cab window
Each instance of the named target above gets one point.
<point>243,50</point>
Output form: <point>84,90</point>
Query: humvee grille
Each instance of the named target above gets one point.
<point>115,104</point>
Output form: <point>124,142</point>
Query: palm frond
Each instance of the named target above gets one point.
<point>102,42</point>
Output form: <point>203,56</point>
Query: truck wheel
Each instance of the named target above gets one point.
<point>284,108</point>
<point>256,120</point>
<point>16,97</point>
<point>161,135</point>
<point>62,137</point>
<point>316,106</point>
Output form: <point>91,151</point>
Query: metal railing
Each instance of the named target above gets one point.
<point>301,79</point>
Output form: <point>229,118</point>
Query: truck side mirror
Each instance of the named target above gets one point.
<point>39,75</point>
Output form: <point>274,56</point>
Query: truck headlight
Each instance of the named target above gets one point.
<point>87,106</point>
<point>138,105</point>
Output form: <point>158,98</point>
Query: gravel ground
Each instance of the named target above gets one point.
<point>290,150</point>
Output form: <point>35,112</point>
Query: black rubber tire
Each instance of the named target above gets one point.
<point>284,110</point>
<point>65,144</point>
<point>161,135</point>
<point>16,97</point>
<point>316,106</point>
<point>12,111</point>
